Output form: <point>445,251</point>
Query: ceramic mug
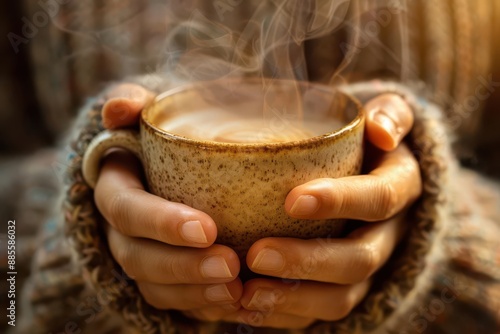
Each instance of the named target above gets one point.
<point>243,185</point>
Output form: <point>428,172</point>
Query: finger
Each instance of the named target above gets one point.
<point>388,119</point>
<point>188,297</point>
<point>121,199</point>
<point>273,320</point>
<point>343,261</point>
<point>124,105</point>
<point>393,185</point>
<point>213,313</point>
<point>155,262</point>
<point>323,301</point>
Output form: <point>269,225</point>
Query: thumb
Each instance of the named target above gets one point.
<point>125,103</point>
<point>389,119</point>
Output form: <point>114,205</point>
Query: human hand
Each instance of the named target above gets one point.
<point>167,248</point>
<point>324,279</point>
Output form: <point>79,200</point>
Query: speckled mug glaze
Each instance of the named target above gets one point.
<point>241,186</point>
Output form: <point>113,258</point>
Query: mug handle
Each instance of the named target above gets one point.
<point>127,139</point>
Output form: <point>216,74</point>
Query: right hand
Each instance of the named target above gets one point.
<point>167,248</point>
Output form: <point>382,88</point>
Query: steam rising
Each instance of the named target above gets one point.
<point>204,40</point>
<point>267,39</point>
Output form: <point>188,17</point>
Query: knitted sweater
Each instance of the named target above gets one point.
<point>444,277</point>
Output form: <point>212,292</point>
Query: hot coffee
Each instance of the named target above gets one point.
<point>241,125</point>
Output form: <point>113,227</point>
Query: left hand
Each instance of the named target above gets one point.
<point>324,279</point>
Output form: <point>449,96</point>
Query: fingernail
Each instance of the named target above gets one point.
<point>387,123</point>
<point>193,231</point>
<point>218,293</point>
<point>305,205</point>
<point>269,260</point>
<point>215,267</point>
<point>261,298</point>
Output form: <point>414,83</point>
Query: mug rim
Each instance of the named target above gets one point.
<point>311,141</point>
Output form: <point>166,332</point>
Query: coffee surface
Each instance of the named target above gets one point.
<point>238,126</point>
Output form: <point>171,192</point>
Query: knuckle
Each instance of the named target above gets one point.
<point>126,258</point>
<point>168,229</point>
<point>333,200</point>
<point>340,198</point>
<point>177,269</point>
<point>320,263</point>
<point>387,202</point>
<point>156,224</point>
<point>119,204</point>
<point>366,262</point>
<point>329,199</point>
